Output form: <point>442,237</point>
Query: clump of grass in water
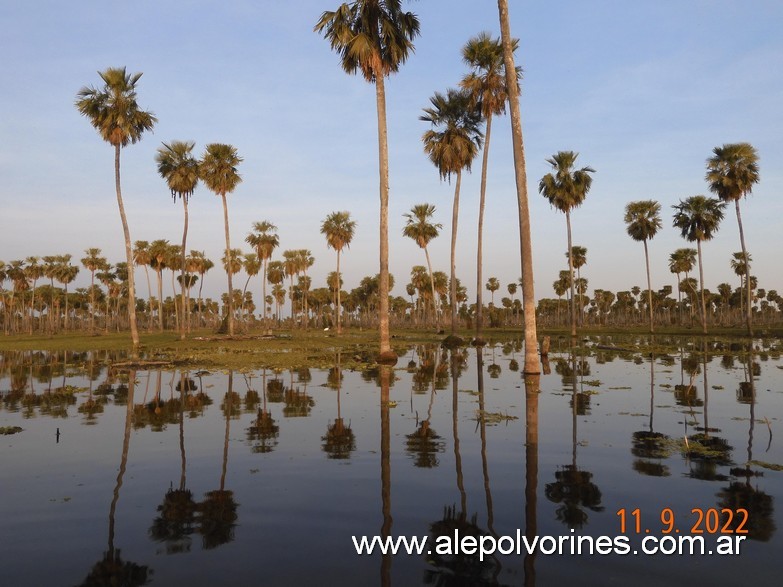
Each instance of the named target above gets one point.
<point>8,430</point>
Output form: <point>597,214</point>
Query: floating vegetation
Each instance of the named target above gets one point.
<point>765,465</point>
<point>621,387</point>
<point>493,417</point>
<point>8,430</point>
<point>593,383</point>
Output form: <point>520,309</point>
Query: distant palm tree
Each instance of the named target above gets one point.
<point>698,219</point>
<point>374,37</point>
<point>338,229</point>
<point>178,166</point>
<point>486,85</point>
<point>158,252</point>
<point>643,220</point>
<point>731,173</point>
<point>419,228</point>
<point>252,265</point>
<point>579,258</point>
<point>93,261</point>
<point>116,115</point>
<point>264,240</point>
<point>740,264</point>
<point>33,271</point>
<point>200,264</point>
<point>65,274</point>
<point>452,148</point>
<point>566,189</point>
<point>532,363</point>
<point>492,286</point>
<point>218,171</point>
<point>681,261</point>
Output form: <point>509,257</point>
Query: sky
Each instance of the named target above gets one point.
<point>643,91</point>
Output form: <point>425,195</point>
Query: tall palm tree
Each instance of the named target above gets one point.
<point>374,37</point>
<point>200,264</point>
<point>740,264</point>
<point>698,218</point>
<point>264,240</point>
<point>643,219</point>
<point>579,258</point>
<point>252,265</point>
<point>141,256</point>
<point>116,115</point>
<point>451,145</point>
<point>178,166</point>
<point>731,173</point>
<point>218,171</point>
<point>93,261</point>
<point>681,261</point>
<point>566,189</point>
<point>492,286</point>
<point>158,253</point>
<point>419,228</point>
<point>532,365</point>
<point>338,229</point>
<point>486,85</point>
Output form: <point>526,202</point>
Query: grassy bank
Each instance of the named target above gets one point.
<point>313,348</point>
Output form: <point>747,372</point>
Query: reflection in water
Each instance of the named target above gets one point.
<point>424,443</point>
<point>573,488</point>
<point>650,446</point>
<point>759,505</point>
<point>532,391</point>
<point>459,568</point>
<point>263,432</point>
<point>112,569</point>
<point>385,376</point>
<point>340,440</point>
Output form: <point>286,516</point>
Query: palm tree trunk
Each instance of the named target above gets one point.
<point>339,319</point>
<point>182,272</point>
<point>479,243</point>
<point>571,274</point>
<point>149,297</point>
<point>525,240</point>
<point>432,288</point>
<point>159,272</point>
<point>263,294</point>
<point>453,270</point>
<point>701,288</point>
<point>128,252</point>
<point>748,309</point>
<point>228,273</point>
<point>649,289</point>
<point>383,170</point>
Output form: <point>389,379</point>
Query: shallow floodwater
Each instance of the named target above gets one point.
<point>170,477</point>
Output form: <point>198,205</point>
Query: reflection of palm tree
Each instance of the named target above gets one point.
<point>111,569</point>
<point>648,444</point>
<point>573,488</point>
<point>264,428</point>
<point>386,560</point>
<point>218,511</point>
<point>340,440</point>
<point>425,443</point>
<point>532,390</point>
<point>759,505</point>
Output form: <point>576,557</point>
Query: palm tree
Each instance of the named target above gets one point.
<point>566,189</point>
<point>218,171</point>
<point>698,218</point>
<point>232,264</point>
<point>644,221</point>
<point>731,173</point>
<point>740,264</point>
<point>34,271</point>
<point>92,262</point>
<point>338,229</point>
<point>252,265</point>
<point>486,85</point>
<point>451,149</point>
<point>200,264</point>
<point>275,276</point>
<point>681,261</point>
<point>492,286</point>
<point>116,115</point>
<point>419,228</point>
<point>374,37</point>
<point>579,258</point>
<point>65,274</point>
<point>178,166</point>
<point>141,256</point>
<point>264,240</point>
<point>158,252</point>
<point>532,366</point>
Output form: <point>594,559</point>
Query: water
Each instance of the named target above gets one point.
<point>262,478</point>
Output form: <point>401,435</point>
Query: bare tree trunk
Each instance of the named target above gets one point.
<point>453,270</point>
<point>701,288</point>
<point>649,288</point>
<point>128,251</point>
<point>479,242</point>
<point>228,272</point>
<point>386,352</point>
<point>182,272</point>
<point>749,310</point>
<point>525,239</point>
<point>571,275</point>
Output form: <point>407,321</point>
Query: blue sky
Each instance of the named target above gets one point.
<point>642,90</point>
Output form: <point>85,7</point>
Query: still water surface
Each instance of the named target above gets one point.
<point>170,477</point>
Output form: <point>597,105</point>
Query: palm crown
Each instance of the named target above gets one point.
<point>643,219</point>
<point>418,226</point>
<point>453,148</point>
<point>338,229</point>
<point>698,217</point>
<point>218,168</point>
<point>486,83</point>
<point>371,36</point>
<point>566,188</point>
<point>732,171</point>
<point>178,166</point>
<point>113,110</point>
